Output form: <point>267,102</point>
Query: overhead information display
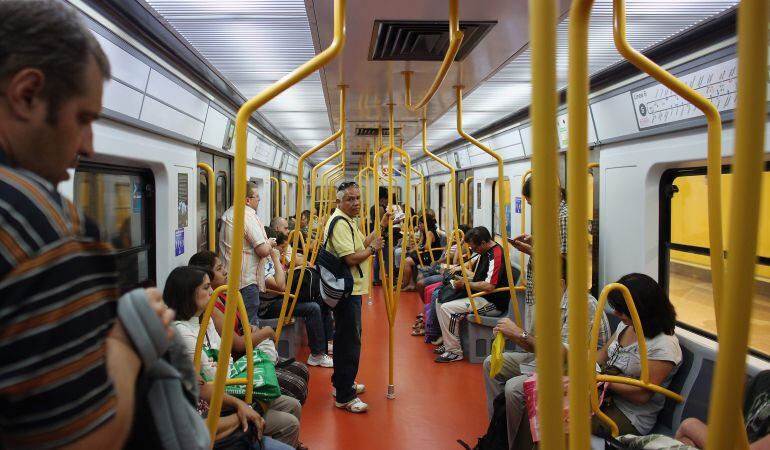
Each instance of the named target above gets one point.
<point>658,105</point>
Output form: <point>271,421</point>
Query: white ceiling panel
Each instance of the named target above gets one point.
<point>254,43</point>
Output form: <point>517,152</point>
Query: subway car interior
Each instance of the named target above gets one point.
<point>638,127</point>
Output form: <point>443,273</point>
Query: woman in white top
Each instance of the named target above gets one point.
<point>634,409</point>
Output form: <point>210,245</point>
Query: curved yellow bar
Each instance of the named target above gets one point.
<point>501,196</point>
<point>542,29</point>
<point>452,173</point>
<point>577,252</point>
<point>455,39</point>
<point>714,169</point>
<point>249,381</point>
<point>297,233</point>
<point>239,191</point>
<point>723,430</point>
<point>211,206</point>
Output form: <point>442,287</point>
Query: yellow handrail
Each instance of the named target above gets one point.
<point>241,131</point>
<point>542,29</point>
<point>212,207</point>
<point>590,368</point>
<point>276,197</point>
<point>285,196</point>
<point>391,297</point>
<point>449,167</point>
<point>467,189</point>
<point>249,380</point>
<point>294,238</point>
<point>726,393</point>
<point>501,195</point>
<point>577,177</point>
<point>455,39</point>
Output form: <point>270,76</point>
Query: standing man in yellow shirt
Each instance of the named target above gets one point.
<point>349,244</point>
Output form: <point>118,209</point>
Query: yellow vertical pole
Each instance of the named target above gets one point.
<point>212,207</point>
<point>577,178</point>
<point>276,196</point>
<point>241,131</point>
<point>543,113</point>
<point>751,110</point>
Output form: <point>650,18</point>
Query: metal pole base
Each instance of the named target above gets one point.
<point>391,391</point>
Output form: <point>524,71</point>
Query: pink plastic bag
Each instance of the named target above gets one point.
<point>530,396</point>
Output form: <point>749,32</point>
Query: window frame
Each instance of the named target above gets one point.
<point>665,194</point>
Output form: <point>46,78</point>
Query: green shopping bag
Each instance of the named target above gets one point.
<point>266,386</point>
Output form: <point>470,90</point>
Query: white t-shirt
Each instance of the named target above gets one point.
<point>189,330</point>
<point>660,348</point>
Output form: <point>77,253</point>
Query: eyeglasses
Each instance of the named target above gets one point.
<point>345,185</point>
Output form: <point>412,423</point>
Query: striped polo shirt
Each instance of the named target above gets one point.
<point>58,285</point>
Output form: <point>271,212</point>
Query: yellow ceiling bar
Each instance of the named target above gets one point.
<point>589,368</point>
<point>283,317</point>
<point>577,252</point>
<point>239,191</point>
<point>542,29</point>
<point>501,195</point>
<point>212,207</point>
<point>455,39</point>
<point>726,393</point>
<point>391,292</point>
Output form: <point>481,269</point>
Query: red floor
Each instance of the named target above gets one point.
<point>435,404</point>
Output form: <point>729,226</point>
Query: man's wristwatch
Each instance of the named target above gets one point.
<point>371,249</point>
<point>524,335</point>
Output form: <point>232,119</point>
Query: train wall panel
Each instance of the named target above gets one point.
<point>119,144</point>
<point>164,116</point>
<point>124,66</point>
<point>614,117</point>
<point>215,129</point>
<point>629,189</point>
<point>261,176</point>
<point>122,98</point>
<point>177,96</point>
<point>526,140</point>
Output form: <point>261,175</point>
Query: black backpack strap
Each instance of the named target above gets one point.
<point>331,230</point>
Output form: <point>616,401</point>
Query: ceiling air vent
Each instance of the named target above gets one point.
<point>363,131</point>
<point>422,40</point>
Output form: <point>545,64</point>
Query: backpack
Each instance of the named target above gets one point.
<point>310,291</point>
<point>336,279</point>
<point>497,432</point>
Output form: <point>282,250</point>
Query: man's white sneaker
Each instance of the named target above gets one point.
<point>322,360</point>
<point>360,389</point>
<point>354,406</point>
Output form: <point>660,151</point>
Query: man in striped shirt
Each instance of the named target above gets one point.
<point>68,367</point>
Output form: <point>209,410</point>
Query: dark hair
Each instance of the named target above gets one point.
<point>431,221</point>
<point>204,259</point>
<point>526,190</point>
<point>305,213</point>
<point>478,235</point>
<point>179,292</point>
<point>50,36</point>
<point>270,232</point>
<point>656,312</point>
<point>382,192</point>
<point>464,227</point>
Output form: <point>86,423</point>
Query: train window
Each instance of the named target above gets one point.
<point>496,209</point>
<point>469,205</point>
<point>442,209</point>
<point>221,195</point>
<point>120,201</point>
<point>203,211</point>
<point>685,265</point>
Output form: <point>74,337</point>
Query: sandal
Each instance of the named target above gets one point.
<point>354,406</point>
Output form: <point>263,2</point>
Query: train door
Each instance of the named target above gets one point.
<point>498,205</point>
<point>276,192</point>
<point>442,208</point>
<point>121,201</point>
<point>466,207</point>
<point>223,198</point>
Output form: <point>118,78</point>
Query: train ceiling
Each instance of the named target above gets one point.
<point>253,43</point>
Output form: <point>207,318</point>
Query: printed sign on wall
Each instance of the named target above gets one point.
<point>517,202</point>
<point>182,199</point>
<point>179,242</point>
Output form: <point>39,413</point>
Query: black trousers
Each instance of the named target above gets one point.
<point>347,347</point>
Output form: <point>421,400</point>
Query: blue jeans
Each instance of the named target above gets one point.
<point>250,296</point>
<point>347,347</point>
<point>314,323</point>
<point>269,443</point>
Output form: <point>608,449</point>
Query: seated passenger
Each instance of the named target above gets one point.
<point>428,240</point>
<point>281,226</point>
<point>489,275</point>
<point>271,302</point>
<point>433,273</point>
<point>511,377</point>
<point>188,290</point>
<point>756,415</point>
<point>211,263</point>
